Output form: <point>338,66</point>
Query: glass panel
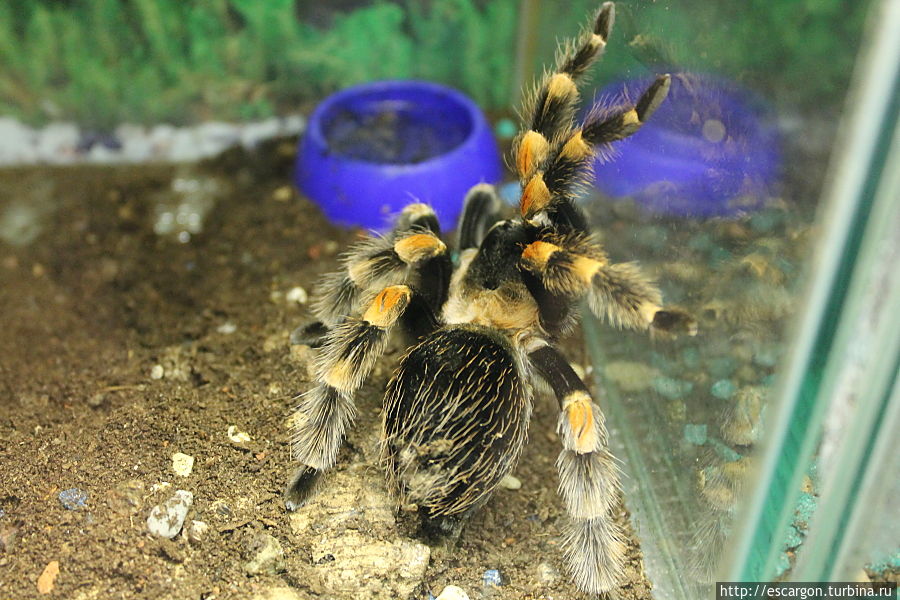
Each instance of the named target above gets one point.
<point>716,197</point>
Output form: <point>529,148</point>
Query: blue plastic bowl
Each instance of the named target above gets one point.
<point>710,150</point>
<point>371,149</point>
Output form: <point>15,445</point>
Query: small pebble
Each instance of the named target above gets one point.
<point>451,592</point>
<point>283,193</point>
<point>784,563</point>
<point>266,555</point>
<point>157,372</point>
<point>723,389</point>
<point>695,434</point>
<point>48,577</point>
<point>547,574</point>
<point>510,482</point>
<point>671,388</point>
<point>195,531</point>
<point>691,357</point>
<point>793,538</point>
<point>492,577</point>
<point>722,366</point>
<point>182,464</point>
<point>127,496</point>
<point>96,400</point>
<point>505,129</point>
<point>227,328</point>
<point>237,437</point>
<point>8,535</point>
<point>166,519</point>
<point>766,356</point>
<point>296,295</point>
<point>73,498</point>
<point>806,506</point>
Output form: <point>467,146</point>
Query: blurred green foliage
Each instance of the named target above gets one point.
<point>102,62</point>
<point>799,54</point>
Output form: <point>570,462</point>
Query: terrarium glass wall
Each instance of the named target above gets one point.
<point>722,205</point>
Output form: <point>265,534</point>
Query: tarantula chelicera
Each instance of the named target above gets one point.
<point>456,410</point>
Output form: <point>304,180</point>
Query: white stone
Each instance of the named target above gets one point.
<point>237,437</point>
<point>267,556</point>
<point>57,142</point>
<point>254,133</point>
<point>214,137</point>
<point>279,593</point>
<point>451,592</point>
<point>101,154</point>
<point>195,531</point>
<point>166,519</point>
<point>510,482</point>
<point>227,328</point>
<point>157,372</point>
<point>547,574</point>
<point>296,295</point>
<point>136,143</point>
<point>182,464</point>
<point>183,145</point>
<point>17,142</point>
<point>293,124</point>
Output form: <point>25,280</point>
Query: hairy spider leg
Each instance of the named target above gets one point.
<point>553,156</point>
<point>620,293</point>
<point>411,253</point>
<point>548,111</point>
<point>481,209</point>
<point>324,413</point>
<point>592,542</point>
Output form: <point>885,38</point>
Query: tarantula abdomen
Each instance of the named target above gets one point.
<point>456,414</point>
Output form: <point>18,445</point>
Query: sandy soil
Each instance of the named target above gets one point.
<point>121,347</point>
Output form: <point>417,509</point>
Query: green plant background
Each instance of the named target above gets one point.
<point>103,62</point>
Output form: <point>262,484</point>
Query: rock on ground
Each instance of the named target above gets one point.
<point>356,548</point>
<point>166,519</point>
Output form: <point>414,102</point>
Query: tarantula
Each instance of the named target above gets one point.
<point>456,410</point>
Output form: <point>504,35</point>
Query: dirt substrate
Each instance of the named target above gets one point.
<point>121,347</point>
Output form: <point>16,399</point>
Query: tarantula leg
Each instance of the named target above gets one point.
<point>481,209</point>
<point>379,262</point>
<point>309,334</point>
<point>324,413</point>
<point>549,115</point>
<point>417,216</point>
<point>605,126</point>
<point>672,322</point>
<point>592,542</point>
<point>569,164</point>
<point>370,266</point>
<point>620,293</point>
<point>428,259</point>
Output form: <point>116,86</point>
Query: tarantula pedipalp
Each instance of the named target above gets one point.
<point>456,410</point>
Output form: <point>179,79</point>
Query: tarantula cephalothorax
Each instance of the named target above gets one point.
<point>456,411</point>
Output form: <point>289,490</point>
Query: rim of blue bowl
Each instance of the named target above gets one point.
<point>477,119</point>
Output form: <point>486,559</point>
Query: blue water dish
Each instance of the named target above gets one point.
<point>371,149</point>
<point>711,150</point>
